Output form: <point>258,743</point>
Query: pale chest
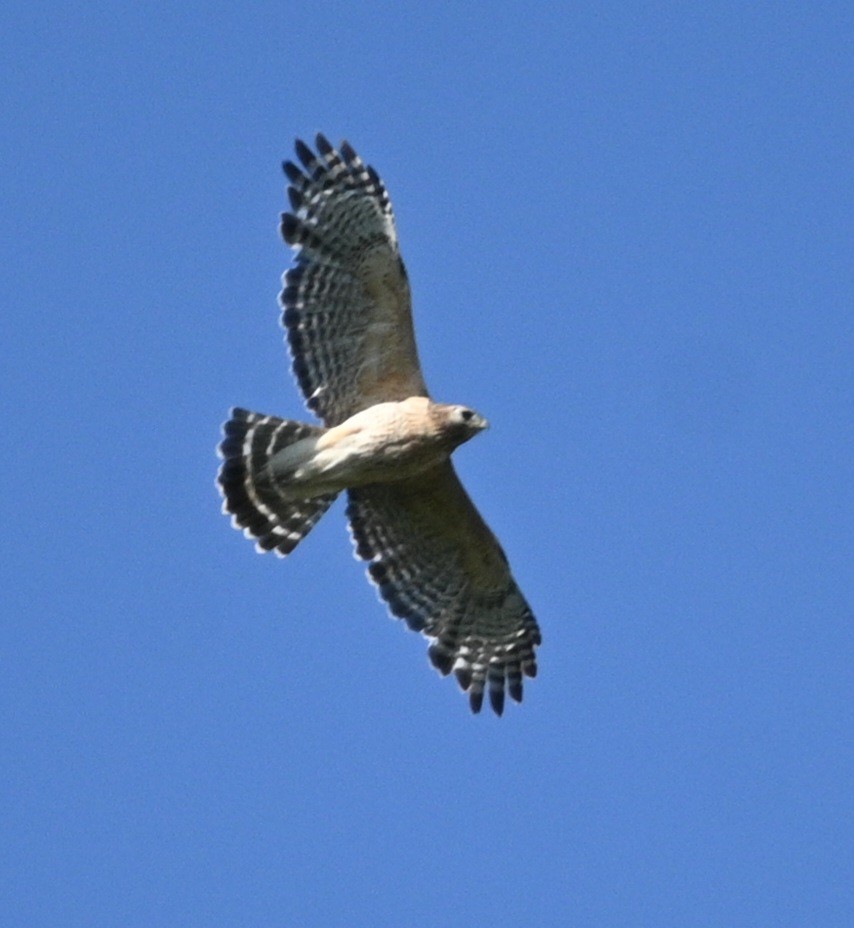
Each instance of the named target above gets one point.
<point>380,444</point>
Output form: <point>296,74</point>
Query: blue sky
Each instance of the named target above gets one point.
<point>628,229</point>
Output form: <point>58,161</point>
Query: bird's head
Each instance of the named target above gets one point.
<point>461,423</point>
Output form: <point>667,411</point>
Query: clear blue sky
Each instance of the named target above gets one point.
<point>629,230</point>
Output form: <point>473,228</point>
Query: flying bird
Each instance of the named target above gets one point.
<point>347,313</point>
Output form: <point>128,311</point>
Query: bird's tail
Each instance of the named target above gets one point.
<point>256,500</point>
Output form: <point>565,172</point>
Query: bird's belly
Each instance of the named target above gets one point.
<point>360,461</point>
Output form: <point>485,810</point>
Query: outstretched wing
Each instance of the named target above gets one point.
<point>439,567</point>
<point>347,307</point>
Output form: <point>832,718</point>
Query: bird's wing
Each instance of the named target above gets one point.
<point>438,566</point>
<point>346,301</point>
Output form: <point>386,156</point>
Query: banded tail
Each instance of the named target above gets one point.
<point>252,495</point>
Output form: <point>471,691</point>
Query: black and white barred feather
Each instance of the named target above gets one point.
<point>251,494</point>
<point>346,301</point>
<point>438,567</point>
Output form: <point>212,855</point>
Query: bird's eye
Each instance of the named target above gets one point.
<point>467,414</point>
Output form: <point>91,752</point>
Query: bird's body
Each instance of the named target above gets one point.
<point>384,441</point>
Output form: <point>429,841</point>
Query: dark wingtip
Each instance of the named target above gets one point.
<point>413,621</point>
<point>514,682</point>
<point>304,153</point>
<point>294,274</point>
<point>476,700</point>
<point>290,227</point>
<point>463,675</point>
<point>292,172</point>
<point>440,659</point>
<point>323,145</point>
<point>496,700</point>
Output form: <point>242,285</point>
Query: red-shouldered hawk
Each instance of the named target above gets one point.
<point>348,318</point>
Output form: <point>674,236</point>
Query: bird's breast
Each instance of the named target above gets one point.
<point>380,444</point>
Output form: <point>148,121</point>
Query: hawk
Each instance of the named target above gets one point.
<point>347,312</point>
